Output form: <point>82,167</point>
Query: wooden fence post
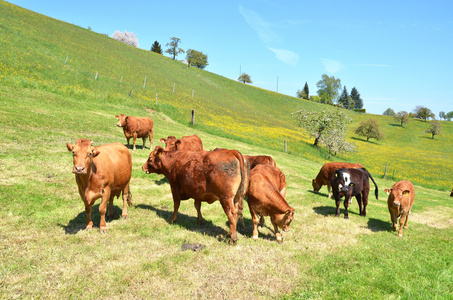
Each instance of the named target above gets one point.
<point>144,83</point>
<point>286,147</point>
<point>66,59</point>
<point>121,80</point>
<point>130,93</point>
<point>156,98</point>
<point>193,117</point>
<point>385,172</point>
<point>96,77</point>
<point>174,87</point>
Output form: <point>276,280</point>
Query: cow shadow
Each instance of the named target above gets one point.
<point>377,225</point>
<point>162,181</point>
<point>318,193</point>
<point>79,222</point>
<point>188,222</point>
<point>137,147</point>
<point>332,210</point>
<point>246,229</point>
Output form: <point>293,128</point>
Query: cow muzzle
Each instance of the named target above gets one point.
<point>396,203</point>
<point>79,170</point>
<point>119,125</point>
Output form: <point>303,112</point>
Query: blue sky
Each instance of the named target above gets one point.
<point>397,53</point>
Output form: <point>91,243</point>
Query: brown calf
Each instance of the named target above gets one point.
<point>264,198</point>
<point>101,172</point>
<point>400,201</point>
<point>186,143</point>
<point>136,128</point>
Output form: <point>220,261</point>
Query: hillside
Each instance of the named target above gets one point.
<point>43,53</point>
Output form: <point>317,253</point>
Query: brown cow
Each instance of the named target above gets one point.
<point>136,128</point>
<point>186,143</point>
<point>451,195</point>
<point>101,172</point>
<point>264,198</point>
<point>205,176</point>
<point>260,160</point>
<point>401,198</point>
<point>325,174</point>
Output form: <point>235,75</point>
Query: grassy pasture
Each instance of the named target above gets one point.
<point>46,253</point>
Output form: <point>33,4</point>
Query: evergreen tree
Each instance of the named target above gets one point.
<point>345,100</point>
<point>304,94</point>
<point>355,96</point>
<point>156,48</point>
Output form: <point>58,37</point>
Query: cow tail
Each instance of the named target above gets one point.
<point>376,191</point>
<point>244,166</point>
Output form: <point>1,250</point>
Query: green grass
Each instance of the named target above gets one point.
<point>46,253</point>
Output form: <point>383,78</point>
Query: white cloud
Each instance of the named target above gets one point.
<point>262,28</point>
<point>331,66</point>
<point>286,56</point>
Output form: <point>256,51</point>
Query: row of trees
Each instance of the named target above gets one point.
<point>419,112</point>
<point>194,57</point>
<point>329,93</point>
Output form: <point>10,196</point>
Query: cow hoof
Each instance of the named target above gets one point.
<point>124,217</point>
<point>103,229</point>
<point>89,227</point>
<point>346,217</point>
<point>280,241</point>
<point>400,235</point>
<point>337,216</point>
<point>200,222</point>
<point>255,237</point>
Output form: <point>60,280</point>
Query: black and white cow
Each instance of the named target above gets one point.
<point>350,183</point>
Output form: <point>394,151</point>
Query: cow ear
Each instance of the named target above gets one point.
<point>95,152</point>
<point>406,192</point>
<point>117,117</point>
<point>158,150</point>
<point>70,147</point>
<point>352,184</point>
<point>178,142</point>
<point>163,140</point>
<point>387,191</point>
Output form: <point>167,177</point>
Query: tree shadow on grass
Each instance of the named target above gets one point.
<point>79,222</point>
<point>377,225</point>
<point>364,140</point>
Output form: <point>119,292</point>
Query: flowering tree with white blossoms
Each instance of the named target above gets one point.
<point>129,38</point>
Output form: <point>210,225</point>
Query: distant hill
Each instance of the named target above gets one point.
<point>42,53</point>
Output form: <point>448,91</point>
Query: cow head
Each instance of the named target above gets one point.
<point>170,143</point>
<point>316,186</point>
<point>83,153</point>
<point>343,179</point>
<point>283,220</point>
<point>122,120</point>
<point>396,195</point>
<point>154,162</point>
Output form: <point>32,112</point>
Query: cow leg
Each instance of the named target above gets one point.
<point>406,223</point>
<point>346,204</point>
<point>394,221</point>
<point>359,202</point>
<point>103,208</point>
<point>261,223</point>
<point>337,202</point>
<point>144,141</point>
<point>197,204</point>
<point>328,189</point>
<point>278,235</point>
<point>134,139</point>
<point>110,214</point>
<point>255,222</point>
<point>365,202</point>
<point>176,203</point>
<point>403,219</point>
<point>89,224</point>
<point>128,138</point>
<point>232,218</point>
<point>126,201</point>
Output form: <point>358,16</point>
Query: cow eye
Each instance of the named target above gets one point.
<point>73,153</point>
